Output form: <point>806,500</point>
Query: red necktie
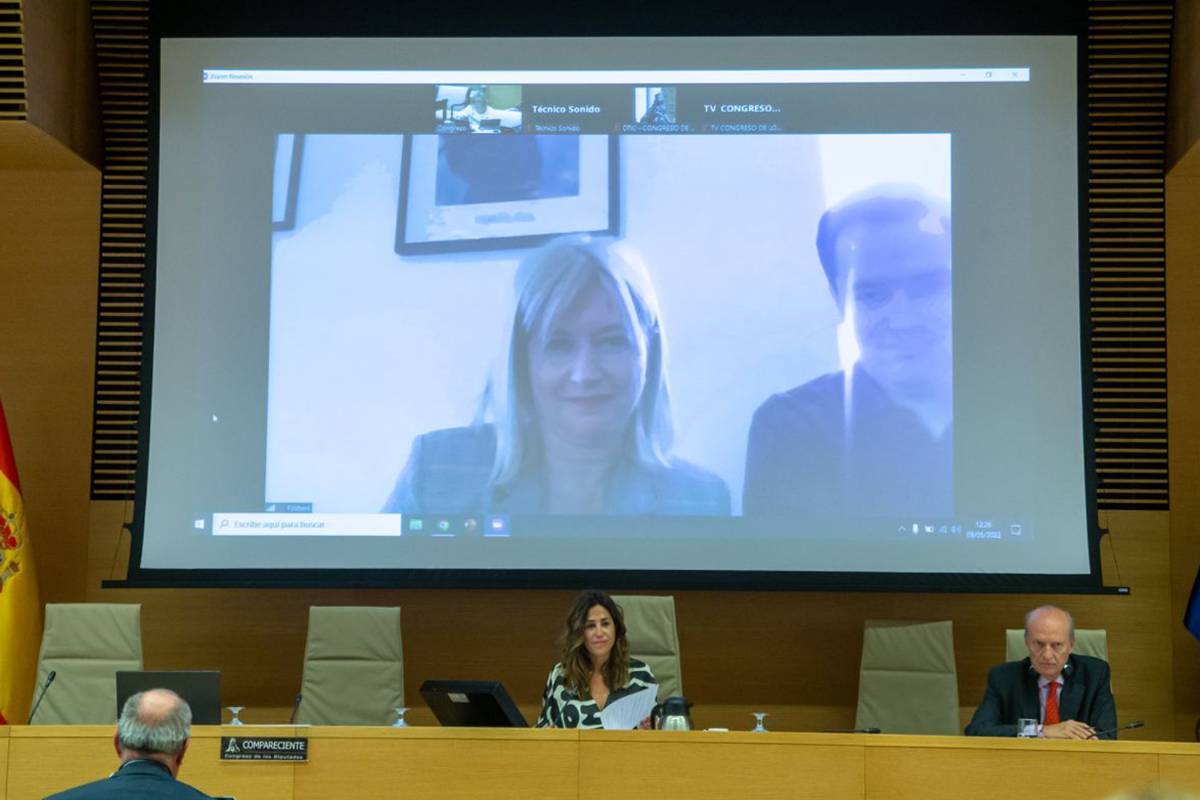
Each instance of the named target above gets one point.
<point>1051,717</point>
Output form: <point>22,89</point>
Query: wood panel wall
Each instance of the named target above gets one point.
<point>60,74</point>
<point>49,220</point>
<point>1183,333</point>
<point>1183,112</point>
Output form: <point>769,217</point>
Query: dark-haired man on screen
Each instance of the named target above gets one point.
<point>875,438</point>
<point>1068,694</point>
<point>151,739</point>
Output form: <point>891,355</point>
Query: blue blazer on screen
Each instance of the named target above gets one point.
<point>449,471</point>
<point>1012,694</point>
<point>135,780</point>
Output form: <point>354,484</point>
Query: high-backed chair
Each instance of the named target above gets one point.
<point>653,638</point>
<point>85,645</point>
<point>353,666</point>
<point>908,682</point>
<point>1092,642</point>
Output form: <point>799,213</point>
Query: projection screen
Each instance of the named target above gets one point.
<point>691,312</point>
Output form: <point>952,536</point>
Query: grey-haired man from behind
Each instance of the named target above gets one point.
<point>151,740</point>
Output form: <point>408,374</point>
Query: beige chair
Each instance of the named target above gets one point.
<point>908,682</point>
<point>653,638</point>
<point>85,645</point>
<point>1092,642</point>
<point>353,666</point>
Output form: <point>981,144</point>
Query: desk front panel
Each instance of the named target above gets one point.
<point>994,771</point>
<point>4,761</point>
<point>718,765</point>
<point>45,759</point>
<point>50,758</point>
<point>245,780</point>
<point>1181,771</point>
<point>440,762</point>
<point>451,763</point>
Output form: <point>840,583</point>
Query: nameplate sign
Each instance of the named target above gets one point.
<point>264,748</point>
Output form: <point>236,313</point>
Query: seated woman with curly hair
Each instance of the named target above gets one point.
<point>595,668</point>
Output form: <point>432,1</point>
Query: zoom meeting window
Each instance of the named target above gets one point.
<point>603,304</point>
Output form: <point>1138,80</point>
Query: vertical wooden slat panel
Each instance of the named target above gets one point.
<point>13,105</point>
<point>1128,48</point>
<point>122,31</point>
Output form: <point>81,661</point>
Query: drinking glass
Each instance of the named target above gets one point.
<point>233,710</point>
<point>1027,728</point>
<point>759,716</point>
<point>400,723</point>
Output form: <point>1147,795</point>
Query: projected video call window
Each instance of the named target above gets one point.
<point>837,353</point>
<point>815,316</point>
<point>654,105</point>
<point>474,108</point>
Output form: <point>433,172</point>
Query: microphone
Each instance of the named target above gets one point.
<point>42,694</point>
<point>295,708</point>
<point>852,730</point>
<point>1137,723</point>
<point>1066,669</point>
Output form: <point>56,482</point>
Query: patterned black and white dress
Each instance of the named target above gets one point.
<point>563,708</point>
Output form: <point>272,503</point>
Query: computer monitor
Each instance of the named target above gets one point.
<point>201,688</point>
<point>472,704</point>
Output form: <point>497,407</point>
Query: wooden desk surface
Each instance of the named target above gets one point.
<point>598,765</point>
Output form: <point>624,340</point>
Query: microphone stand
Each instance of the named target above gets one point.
<point>1137,723</point>
<point>42,695</point>
<point>295,708</point>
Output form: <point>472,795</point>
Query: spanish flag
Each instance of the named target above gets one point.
<point>20,610</point>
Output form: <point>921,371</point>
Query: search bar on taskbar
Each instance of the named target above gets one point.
<point>306,524</point>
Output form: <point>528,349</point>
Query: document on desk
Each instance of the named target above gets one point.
<point>627,711</point>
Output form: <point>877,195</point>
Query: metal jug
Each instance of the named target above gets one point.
<point>672,714</point>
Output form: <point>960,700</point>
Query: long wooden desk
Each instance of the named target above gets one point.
<point>599,765</point>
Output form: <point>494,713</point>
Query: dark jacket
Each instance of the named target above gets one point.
<point>1012,694</point>
<point>448,472</point>
<point>807,451</point>
<point>135,780</point>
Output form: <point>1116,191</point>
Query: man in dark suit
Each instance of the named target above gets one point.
<point>151,740</point>
<point>1068,694</point>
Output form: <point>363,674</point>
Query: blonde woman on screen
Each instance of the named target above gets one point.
<point>581,418</point>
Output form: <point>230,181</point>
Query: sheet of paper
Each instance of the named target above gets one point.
<point>626,712</point>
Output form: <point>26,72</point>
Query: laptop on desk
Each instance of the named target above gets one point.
<point>472,704</point>
<point>201,688</point>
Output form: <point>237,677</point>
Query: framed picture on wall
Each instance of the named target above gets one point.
<point>289,153</point>
<point>479,192</point>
